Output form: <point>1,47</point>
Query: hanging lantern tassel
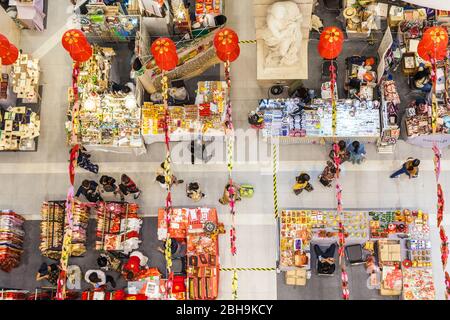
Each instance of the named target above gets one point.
<point>444,247</point>
<point>168,254</point>
<point>447,286</point>
<point>333,100</point>
<point>274,179</point>
<point>234,286</point>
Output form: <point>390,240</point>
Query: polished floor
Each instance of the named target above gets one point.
<point>30,178</point>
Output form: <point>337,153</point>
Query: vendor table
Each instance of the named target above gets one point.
<point>199,228</point>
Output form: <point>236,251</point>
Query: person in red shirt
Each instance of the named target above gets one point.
<point>128,186</point>
<point>135,264</point>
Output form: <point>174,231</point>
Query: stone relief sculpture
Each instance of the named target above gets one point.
<point>282,35</point>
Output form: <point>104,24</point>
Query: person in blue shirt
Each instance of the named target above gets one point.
<point>357,152</point>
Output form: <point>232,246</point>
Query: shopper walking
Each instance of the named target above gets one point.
<point>410,168</point>
<point>84,161</point>
<point>194,192</point>
<point>302,183</point>
<point>107,261</point>
<point>357,152</point>
<point>328,174</point>
<point>128,186</point>
<point>89,189</point>
<point>161,178</point>
<point>227,197</point>
<point>109,185</point>
<point>135,264</point>
<point>343,153</point>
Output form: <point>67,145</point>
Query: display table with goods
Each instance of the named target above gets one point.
<point>292,121</point>
<point>198,228</point>
<point>390,130</point>
<point>20,106</point>
<point>363,17</point>
<point>53,225</point>
<point>360,78</point>
<point>194,58</point>
<point>395,246</point>
<point>109,24</point>
<point>187,122</point>
<point>118,227</point>
<point>107,121</point>
<point>12,236</point>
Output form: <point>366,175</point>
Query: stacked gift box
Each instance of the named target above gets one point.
<point>11,239</point>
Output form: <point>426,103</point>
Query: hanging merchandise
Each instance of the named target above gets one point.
<point>329,47</point>
<point>226,43</point>
<point>440,211</point>
<point>12,236</point>
<point>118,227</point>
<point>433,48</point>
<point>165,54</point>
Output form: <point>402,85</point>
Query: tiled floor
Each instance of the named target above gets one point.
<point>30,178</point>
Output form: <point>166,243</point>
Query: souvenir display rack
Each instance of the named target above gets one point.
<point>390,130</point>
<point>118,227</point>
<point>25,78</point>
<point>206,117</point>
<point>12,236</point>
<point>54,221</point>
<point>399,241</point>
<point>107,121</point>
<point>289,118</point>
<point>199,229</point>
<point>208,7</point>
<point>100,28</point>
<point>13,294</point>
<point>19,129</point>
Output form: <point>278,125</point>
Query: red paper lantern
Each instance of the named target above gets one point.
<point>82,55</point>
<point>73,40</point>
<point>429,51</point>
<point>4,45</point>
<point>436,36</point>
<point>330,43</point>
<point>226,41</point>
<point>11,56</point>
<point>165,53</point>
<point>229,56</point>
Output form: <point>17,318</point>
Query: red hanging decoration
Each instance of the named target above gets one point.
<point>226,42</point>
<point>231,56</point>
<point>330,43</point>
<point>74,39</point>
<point>11,56</point>
<point>4,45</point>
<point>428,52</point>
<point>82,55</point>
<point>165,53</point>
<point>436,36</point>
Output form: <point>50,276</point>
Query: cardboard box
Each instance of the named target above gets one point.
<point>296,277</point>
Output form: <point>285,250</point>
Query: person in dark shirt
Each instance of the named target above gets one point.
<point>109,185</point>
<point>49,273</point>
<point>89,189</point>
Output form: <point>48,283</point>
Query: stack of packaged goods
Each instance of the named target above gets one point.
<point>118,227</point>
<point>53,224</point>
<point>11,239</point>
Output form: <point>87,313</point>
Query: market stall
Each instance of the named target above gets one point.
<point>292,121</point>
<point>53,224</point>
<point>396,246</point>
<point>205,118</point>
<point>118,227</point>
<point>199,229</point>
<point>107,121</point>
<point>12,236</point>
